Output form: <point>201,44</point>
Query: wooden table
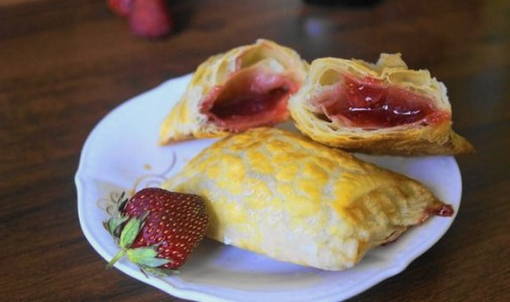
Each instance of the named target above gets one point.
<point>65,64</point>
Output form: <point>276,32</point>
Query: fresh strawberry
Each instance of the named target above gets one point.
<point>150,18</point>
<point>121,7</point>
<point>158,229</point>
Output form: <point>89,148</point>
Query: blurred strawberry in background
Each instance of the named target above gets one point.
<point>147,18</point>
<point>120,7</point>
<point>150,18</point>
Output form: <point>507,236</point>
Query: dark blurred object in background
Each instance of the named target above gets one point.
<point>353,3</point>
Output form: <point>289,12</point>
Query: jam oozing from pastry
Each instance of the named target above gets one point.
<point>445,210</point>
<point>370,103</point>
<point>249,99</point>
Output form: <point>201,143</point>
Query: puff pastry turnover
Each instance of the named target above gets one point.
<point>382,108</point>
<point>245,87</point>
<point>282,195</point>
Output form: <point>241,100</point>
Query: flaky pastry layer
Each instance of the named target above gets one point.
<point>419,138</point>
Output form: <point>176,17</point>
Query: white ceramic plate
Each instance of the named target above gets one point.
<point>121,154</point>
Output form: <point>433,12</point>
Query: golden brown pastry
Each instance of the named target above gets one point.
<point>246,87</point>
<point>277,193</point>
<point>384,108</point>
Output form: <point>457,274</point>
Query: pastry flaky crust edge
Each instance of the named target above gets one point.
<point>437,139</point>
<point>424,205</point>
<point>185,121</point>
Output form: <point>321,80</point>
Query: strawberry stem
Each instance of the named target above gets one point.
<point>116,258</point>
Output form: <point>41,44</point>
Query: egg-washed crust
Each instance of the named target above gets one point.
<point>185,121</point>
<point>410,139</point>
<point>280,194</point>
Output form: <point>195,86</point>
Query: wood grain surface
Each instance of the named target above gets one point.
<point>65,64</point>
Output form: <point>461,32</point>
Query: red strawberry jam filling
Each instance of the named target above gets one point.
<point>444,210</point>
<point>249,99</point>
<point>370,103</point>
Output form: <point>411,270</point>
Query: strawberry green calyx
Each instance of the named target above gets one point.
<point>127,236</point>
<point>144,256</point>
<point>113,225</point>
<point>129,233</point>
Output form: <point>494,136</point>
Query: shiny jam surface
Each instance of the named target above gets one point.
<point>249,99</point>
<point>369,103</point>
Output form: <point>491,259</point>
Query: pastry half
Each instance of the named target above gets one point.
<point>278,193</point>
<point>246,87</point>
<point>382,108</point>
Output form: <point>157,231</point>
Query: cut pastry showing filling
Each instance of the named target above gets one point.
<point>249,99</point>
<point>382,108</point>
<point>246,87</point>
<point>372,104</point>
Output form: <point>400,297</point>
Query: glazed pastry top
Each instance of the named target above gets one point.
<point>278,193</point>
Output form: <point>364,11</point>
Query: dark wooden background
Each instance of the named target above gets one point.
<point>65,64</point>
